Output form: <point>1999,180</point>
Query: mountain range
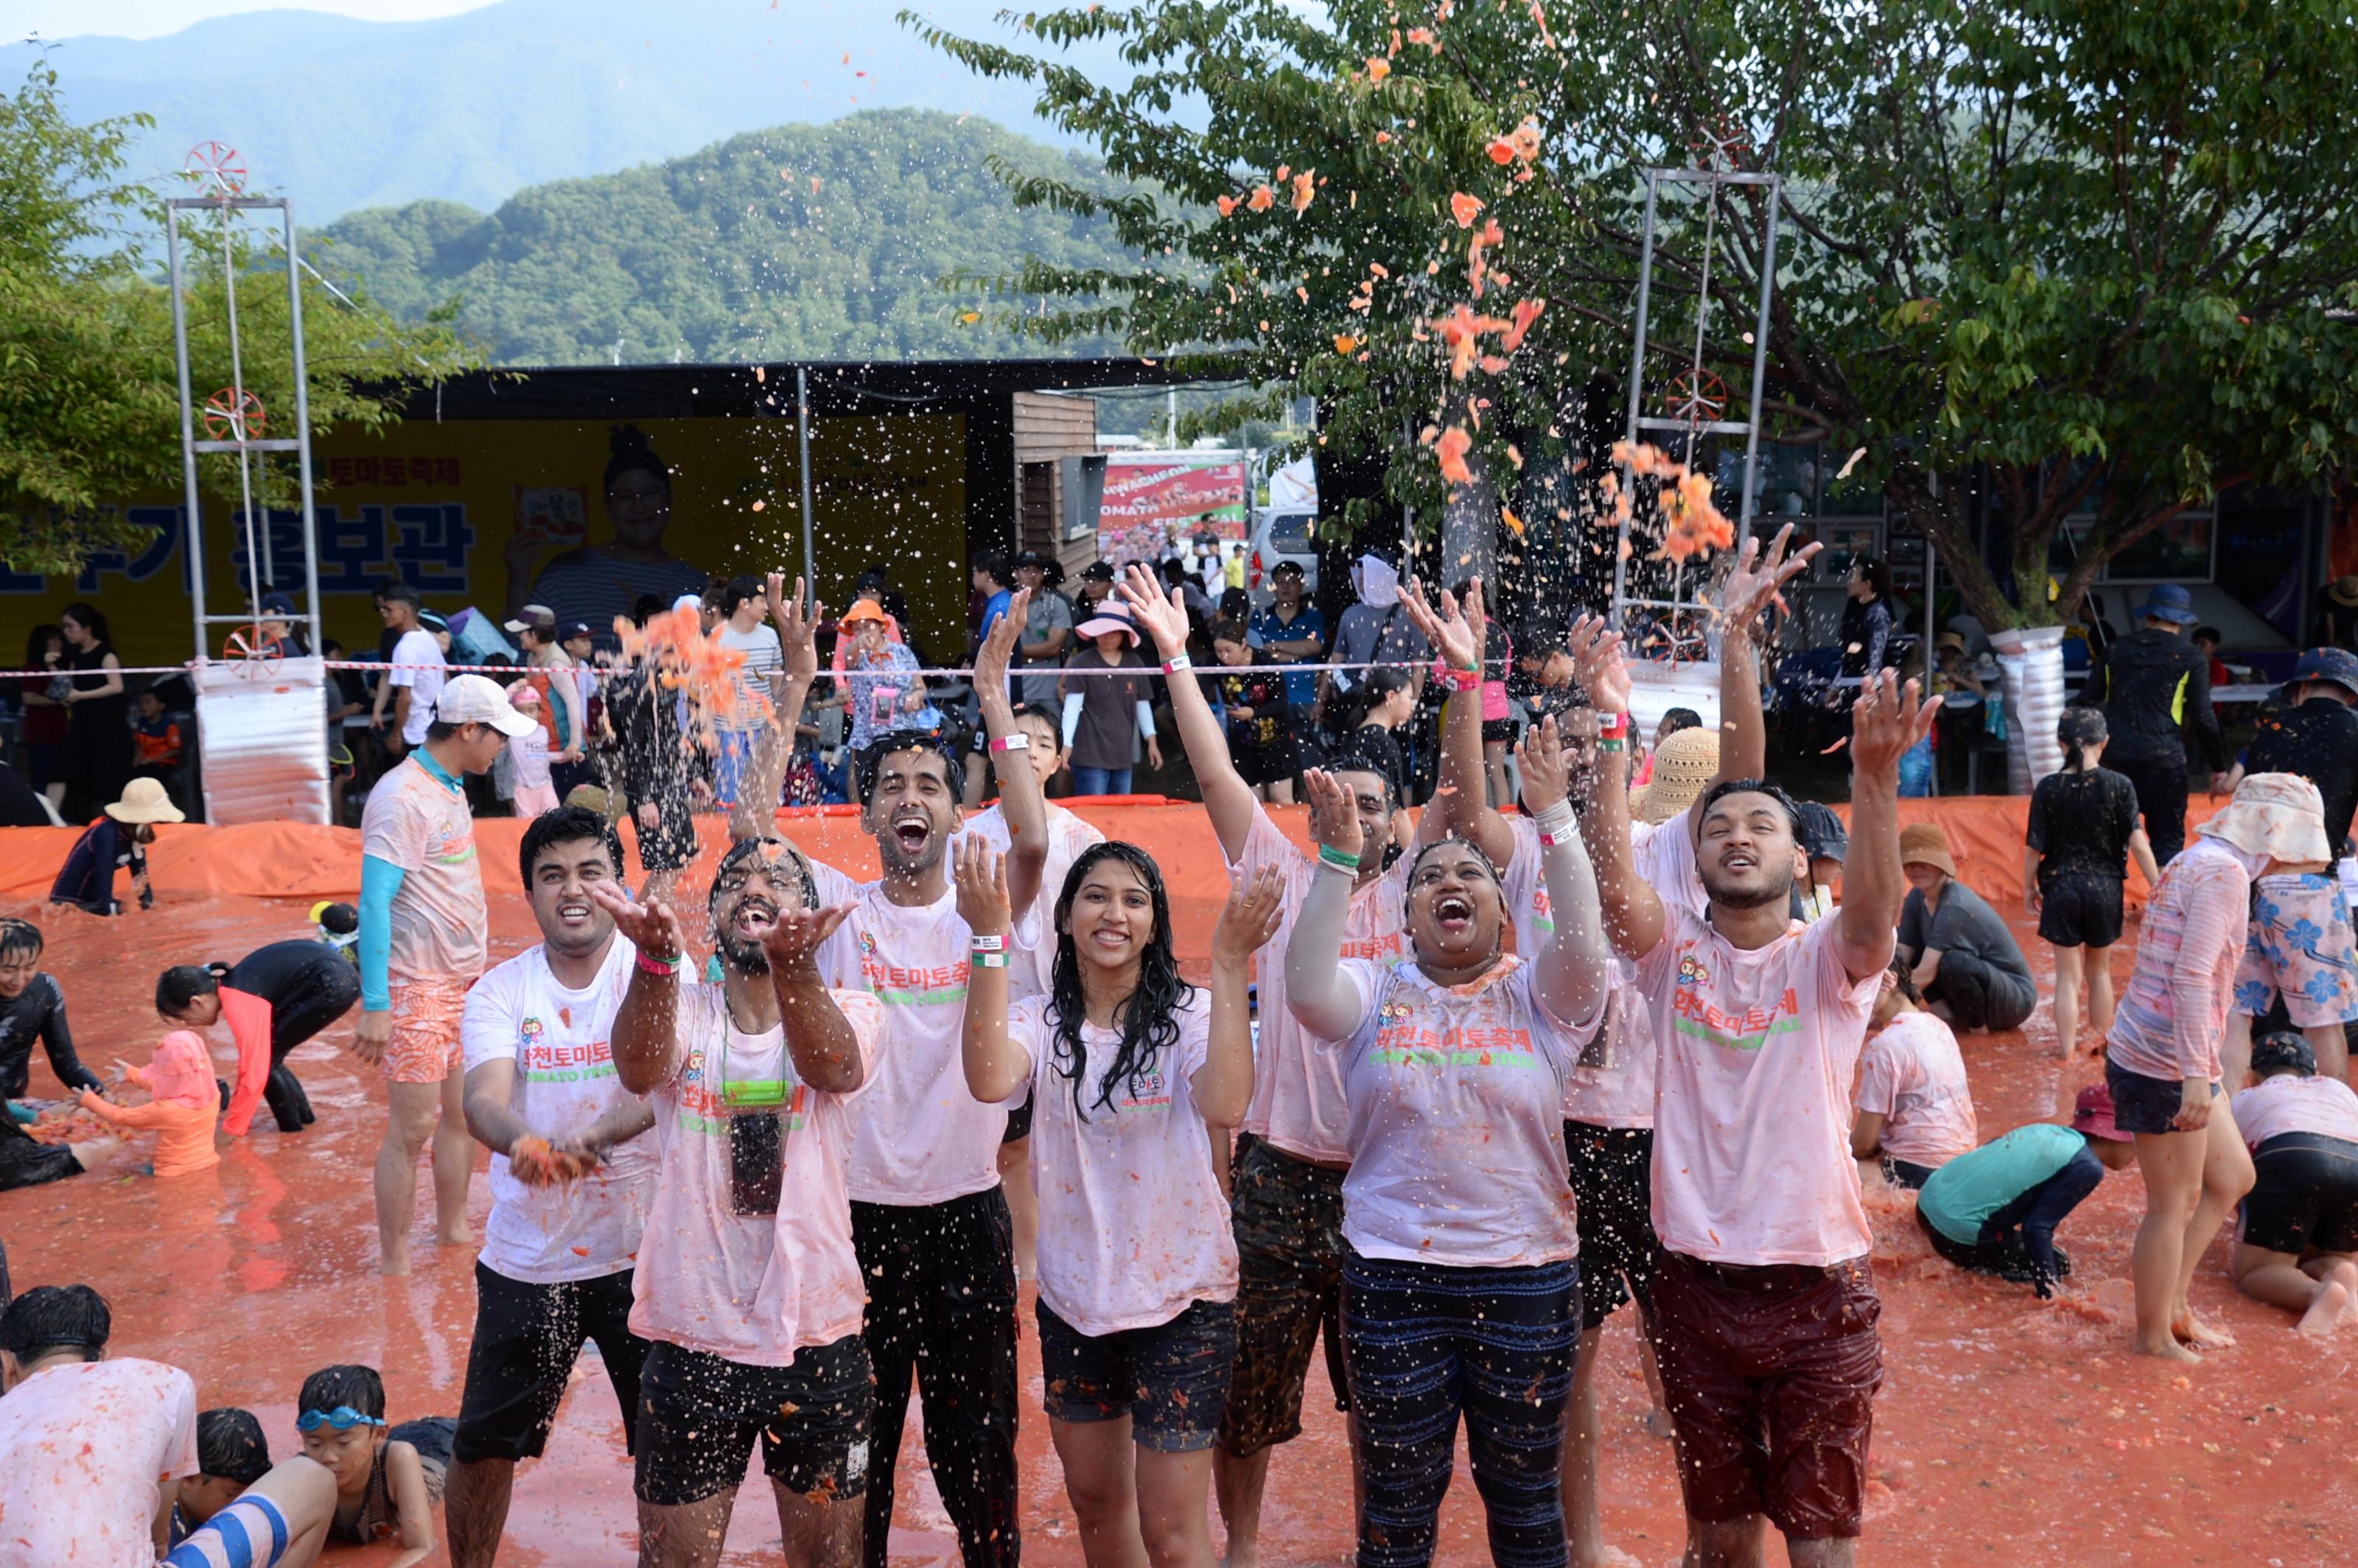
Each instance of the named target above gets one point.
<point>342,114</point>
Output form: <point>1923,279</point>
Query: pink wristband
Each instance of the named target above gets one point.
<point>1012,743</point>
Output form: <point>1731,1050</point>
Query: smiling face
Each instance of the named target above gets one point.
<point>17,967</point>
<point>1112,915</point>
<point>562,875</point>
<point>1373,797</point>
<point>1456,910</point>
<point>753,887</point>
<point>638,503</point>
<point>911,811</point>
<point>1747,853</point>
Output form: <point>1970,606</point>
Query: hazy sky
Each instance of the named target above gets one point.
<point>153,18</point>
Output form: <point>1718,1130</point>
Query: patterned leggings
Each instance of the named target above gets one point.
<point>1423,1343</point>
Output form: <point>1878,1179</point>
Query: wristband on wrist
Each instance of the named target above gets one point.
<point>1465,680</point>
<point>983,960</point>
<point>1341,860</point>
<point>655,965</point>
<point>1606,745</point>
<point>1612,726</point>
<point>986,943</point>
<point>1177,662</point>
<point>1012,743</point>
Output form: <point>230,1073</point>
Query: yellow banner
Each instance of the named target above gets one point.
<point>440,505</point>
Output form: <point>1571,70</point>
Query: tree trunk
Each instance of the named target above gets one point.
<point>1910,491</point>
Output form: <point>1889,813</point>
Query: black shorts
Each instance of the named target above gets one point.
<point>2080,911</point>
<point>1257,762</point>
<point>2145,1105</point>
<point>699,1415</point>
<point>1497,732</point>
<point>2304,1194</point>
<point>1906,1173</point>
<point>1019,1120</point>
<point>526,1339</point>
<point>1613,1185</point>
<point>1171,1379</point>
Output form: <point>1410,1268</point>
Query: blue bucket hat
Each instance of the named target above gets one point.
<point>2169,602</point>
<point>2339,666</point>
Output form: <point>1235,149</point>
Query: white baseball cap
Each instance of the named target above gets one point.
<point>472,700</point>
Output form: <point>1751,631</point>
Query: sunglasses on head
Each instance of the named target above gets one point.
<point>343,1418</point>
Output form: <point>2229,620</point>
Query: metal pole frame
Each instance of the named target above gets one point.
<point>810,519</point>
<point>194,538</point>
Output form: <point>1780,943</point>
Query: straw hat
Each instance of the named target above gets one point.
<point>2344,592</point>
<point>144,801</point>
<point>1926,844</point>
<point>1683,764</point>
<point>2280,815</point>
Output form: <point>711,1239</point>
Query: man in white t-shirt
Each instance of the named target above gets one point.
<point>1608,1113</point>
<point>1288,1182</point>
<point>928,1214</point>
<point>405,701</point>
<point>544,1097</point>
<point>88,1447</point>
<point>1762,1291</point>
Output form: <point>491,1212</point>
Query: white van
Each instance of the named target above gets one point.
<point>1282,536</point>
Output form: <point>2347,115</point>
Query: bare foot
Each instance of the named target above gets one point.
<point>2168,1350</point>
<point>2326,1310</point>
<point>2191,1330</point>
<point>463,1237</point>
<point>394,1262</point>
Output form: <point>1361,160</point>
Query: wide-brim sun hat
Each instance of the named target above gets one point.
<point>1927,844</point>
<point>144,801</point>
<point>2280,815</point>
<point>1683,765</point>
<point>2344,592</point>
<point>1111,616</point>
<point>2092,1113</point>
<point>2169,602</point>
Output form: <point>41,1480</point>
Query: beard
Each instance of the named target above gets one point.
<point>1737,897</point>
<point>745,957</point>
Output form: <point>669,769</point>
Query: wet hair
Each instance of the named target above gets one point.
<point>749,848</point>
<point>1467,845</point>
<point>398,593</point>
<point>632,452</point>
<point>737,591</point>
<point>1876,572</point>
<point>1149,1018</point>
<point>90,615</point>
<point>18,936</point>
<point>870,760</point>
<point>37,642</point>
<point>1903,980</point>
<point>1351,759</point>
<point>997,564</point>
<point>1352,711</point>
<point>1677,719</point>
<point>231,1444</point>
<point>1785,803</point>
<point>566,825</point>
<point>344,1384</point>
<point>2077,730</point>
<point>50,1318</point>
<point>181,984</point>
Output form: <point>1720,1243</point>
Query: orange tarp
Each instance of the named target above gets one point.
<point>287,860</point>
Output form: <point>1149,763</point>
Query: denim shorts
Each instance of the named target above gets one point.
<point>1172,1380</point>
<point>2145,1105</point>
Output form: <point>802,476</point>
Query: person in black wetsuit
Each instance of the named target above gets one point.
<point>31,1008</point>
<point>2155,689</point>
<point>275,998</point>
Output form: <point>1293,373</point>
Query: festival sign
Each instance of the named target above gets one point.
<point>1153,497</point>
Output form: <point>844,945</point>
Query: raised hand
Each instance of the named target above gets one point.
<point>982,899</point>
<point>652,927</point>
<point>1547,766</point>
<point>797,628</point>
<point>1758,576</point>
<point>1598,663</point>
<point>793,941</point>
<point>1885,720</point>
<point>1334,813</point>
<point>990,662</point>
<point>1163,616</point>
<point>1457,639</point>
<point>1255,907</point>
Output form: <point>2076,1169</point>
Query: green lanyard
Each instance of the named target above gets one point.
<point>752,1091</point>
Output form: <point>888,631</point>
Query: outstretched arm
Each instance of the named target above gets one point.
<point>646,1029</point>
<point>1222,1088</point>
<point>1461,799</point>
<point>1757,577</point>
<point>995,1065</point>
<point>1227,797</point>
<point>1887,719</point>
<point>1572,968</point>
<point>1011,760</point>
<point>1323,1001</point>
<point>822,1042</point>
<point>755,814</point>
<point>1631,911</point>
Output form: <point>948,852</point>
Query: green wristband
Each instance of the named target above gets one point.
<point>1340,858</point>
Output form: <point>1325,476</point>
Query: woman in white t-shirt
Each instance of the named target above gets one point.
<point>1460,1286</point>
<point>1129,1068</point>
<point>1915,1107</point>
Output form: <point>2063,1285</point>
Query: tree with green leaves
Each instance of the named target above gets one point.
<point>89,390</point>
<point>2099,258</point>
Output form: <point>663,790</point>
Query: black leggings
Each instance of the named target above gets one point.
<point>2034,1213</point>
<point>1423,1343</point>
<point>321,995</point>
<point>941,1309</point>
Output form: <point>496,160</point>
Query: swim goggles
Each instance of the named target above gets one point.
<point>343,1418</point>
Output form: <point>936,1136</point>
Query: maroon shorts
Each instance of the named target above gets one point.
<point>1769,1374</point>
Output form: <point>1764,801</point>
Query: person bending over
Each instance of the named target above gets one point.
<point>273,999</point>
<point>1127,1066</point>
<point>1915,1107</point>
<point>388,1478</point>
<point>2299,1246</point>
<point>1996,1209</point>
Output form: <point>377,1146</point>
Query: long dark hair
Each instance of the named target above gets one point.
<point>2077,730</point>
<point>36,644</point>
<point>1353,708</point>
<point>1149,1016</point>
<point>92,617</point>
